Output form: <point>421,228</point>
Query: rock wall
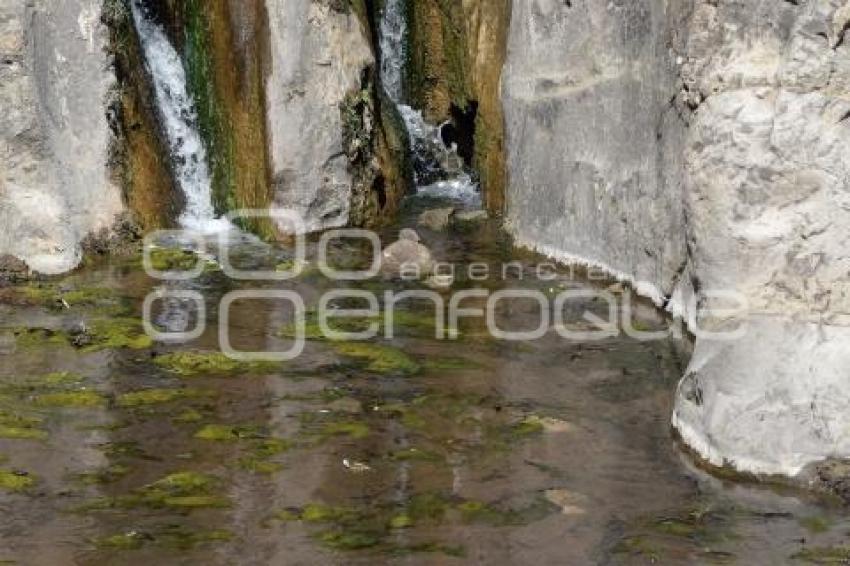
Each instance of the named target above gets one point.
<point>55,80</point>
<point>318,53</point>
<point>694,147</point>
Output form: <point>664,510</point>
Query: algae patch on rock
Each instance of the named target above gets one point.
<point>15,426</point>
<point>180,490</point>
<point>15,481</point>
<point>168,536</point>
<point>228,433</point>
<point>149,397</point>
<point>379,359</point>
<point>72,399</point>
<point>824,555</point>
<point>190,364</point>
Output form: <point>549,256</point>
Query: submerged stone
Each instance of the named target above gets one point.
<point>72,399</point>
<point>227,433</point>
<point>15,426</point>
<point>114,333</point>
<point>150,397</point>
<point>169,536</point>
<point>190,364</point>
<point>824,555</point>
<point>380,359</point>
<point>15,481</point>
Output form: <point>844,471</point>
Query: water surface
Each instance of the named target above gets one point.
<point>410,451</point>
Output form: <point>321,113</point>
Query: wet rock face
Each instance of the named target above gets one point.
<point>54,84</point>
<point>702,145</point>
<point>455,67</point>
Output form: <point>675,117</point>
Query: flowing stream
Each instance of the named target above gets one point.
<point>439,170</point>
<point>180,123</point>
<point>118,450</point>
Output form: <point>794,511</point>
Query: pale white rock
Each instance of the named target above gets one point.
<point>54,137</point>
<point>437,219</point>
<point>317,56</point>
<point>726,172</point>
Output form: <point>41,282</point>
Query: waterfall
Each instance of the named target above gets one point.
<point>438,169</point>
<point>179,121</point>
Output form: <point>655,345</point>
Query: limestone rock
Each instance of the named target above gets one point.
<point>702,145</point>
<point>407,257</point>
<point>54,137</point>
<point>437,219</point>
<point>318,54</point>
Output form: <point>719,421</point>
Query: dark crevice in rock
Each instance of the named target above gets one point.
<point>460,130</point>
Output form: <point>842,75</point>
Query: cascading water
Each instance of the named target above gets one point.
<point>179,120</point>
<point>439,170</point>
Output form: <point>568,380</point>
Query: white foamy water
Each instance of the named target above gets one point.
<point>430,152</point>
<point>179,121</point>
<point>393,30</point>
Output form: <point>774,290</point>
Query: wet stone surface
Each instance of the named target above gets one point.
<point>118,449</point>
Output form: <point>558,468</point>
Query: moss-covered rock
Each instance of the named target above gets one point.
<point>82,399</point>
<point>149,397</point>
<point>15,481</point>
<point>181,490</point>
<point>379,359</point>
<point>192,364</point>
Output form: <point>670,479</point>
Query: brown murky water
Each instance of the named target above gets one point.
<point>409,451</point>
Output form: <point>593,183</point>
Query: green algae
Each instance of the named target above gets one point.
<point>259,466</point>
<point>104,476</point>
<point>117,333</point>
<point>176,260</point>
<point>227,433</point>
<point>352,429</point>
<point>124,541</point>
<point>14,426</point>
<point>180,490</point>
<point>270,447</point>
<point>401,521</point>
<point>149,397</point>
<point>260,453</point>
<point>112,333</point>
<point>29,338</point>
<point>527,427</point>
<point>125,449</point>
<point>824,555</point>
<point>451,364</point>
<point>53,296</point>
<point>168,536</point>
<point>84,399</point>
<point>15,481</point>
<point>355,528</point>
<point>182,483</point>
<point>189,416</point>
<point>379,359</point>
<point>430,507</point>
<point>815,525</point>
<point>62,379</point>
<point>341,540</point>
<point>190,364</point>
<point>317,513</point>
